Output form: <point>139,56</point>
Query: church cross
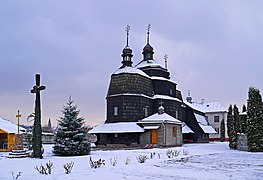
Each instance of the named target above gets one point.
<point>37,131</point>
<point>128,28</point>
<point>161,103</point>
<point>148,32</point>
<point>37,88</point>
<point>165,61</point>
<point>18,120</point>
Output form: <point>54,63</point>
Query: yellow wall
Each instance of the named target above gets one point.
<point>10,141</point>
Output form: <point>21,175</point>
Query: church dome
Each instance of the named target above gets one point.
<point>147,48</point>
<point>126,51</point>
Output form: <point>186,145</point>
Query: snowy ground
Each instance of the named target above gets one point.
<point>204,161</point>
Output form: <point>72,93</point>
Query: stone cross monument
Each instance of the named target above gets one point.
<point>37,130</point>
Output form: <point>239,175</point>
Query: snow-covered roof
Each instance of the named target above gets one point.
<point>208,129</point>
<point>121,127</point>
<point>193,107</point>
<point>150,127</point>
<point>9,127</point>
<point>203,123</point>
<point>149,63</point>
<point>209,107</point>
<point>186,129</point>
<point>157,96</point>
<point>159,118</point>
<point>162,79</point>
<point>131,70</point>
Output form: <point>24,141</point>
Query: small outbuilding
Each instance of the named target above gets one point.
<point>9,136</point>
<point>161,129</point>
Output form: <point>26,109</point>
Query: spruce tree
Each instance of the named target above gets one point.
<point>243,120</point>
<point>231,128</point>
<point>222,131</point>
<point>254,121</point>
<point>237,123</point>
<point>71,137</point>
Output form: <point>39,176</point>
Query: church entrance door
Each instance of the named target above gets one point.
<point>154,136</point>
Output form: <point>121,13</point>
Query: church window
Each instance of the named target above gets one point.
<point>115,111</point>
<point>176,114</point>
<point>171,91</point>
<point>126,58</point>
<point>146,113</point>
<point>149,56</point>
<point>216,118</point>
<point>174,131</point>
<point>115,135</point>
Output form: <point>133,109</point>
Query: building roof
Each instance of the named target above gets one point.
<point>149,63</point>
<point>204,125</point>
<point>9,127</point>
<point>130,70</point>
<point>121,127</point>
<point>186,129</point>
<point>160,118</point>
<point>209,107</point>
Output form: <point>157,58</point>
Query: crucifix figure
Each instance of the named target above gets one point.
<point>18,121</point>
<point>128,28</point>
<point>161,103</point>
<point>37,130</point>
<point>165,60</point>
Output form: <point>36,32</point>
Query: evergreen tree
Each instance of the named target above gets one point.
<point>222,131</point>
<point>237,123</point>
<point>243,120</point>
<point>254,121</point>
<point>71,137</point>
<point>231,128</point>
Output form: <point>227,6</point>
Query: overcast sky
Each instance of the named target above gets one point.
<point>214,49</point>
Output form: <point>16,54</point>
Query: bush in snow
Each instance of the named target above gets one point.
<point>152,155</point>
<point>16,176</point>
<point>96,164</point>
<point>68,167</point>
<point>185,152</point>
<point>172,153</point>
<point>142,158</point>
<point>127,161</point>
<point>71,137</point>
<point>113,161</point>
<point>45,169</point>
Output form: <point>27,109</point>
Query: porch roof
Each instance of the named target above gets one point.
<point>160,118</point>
<point>121,127</point>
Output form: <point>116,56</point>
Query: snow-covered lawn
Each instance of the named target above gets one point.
<point>203,161</point>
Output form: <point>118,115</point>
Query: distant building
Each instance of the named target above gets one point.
<point>215,112</point>
<point>9,137</point>
<point>135,93</point>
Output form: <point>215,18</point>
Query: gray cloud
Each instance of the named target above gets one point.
<point>214,50</point>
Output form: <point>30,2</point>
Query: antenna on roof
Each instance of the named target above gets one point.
<point>128,28</point>
<point>148,33</point>
<point>165,61</point>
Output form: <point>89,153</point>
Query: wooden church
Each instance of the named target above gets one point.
<point>135,93</point>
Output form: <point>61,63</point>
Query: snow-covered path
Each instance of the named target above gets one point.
<point>203,161</point>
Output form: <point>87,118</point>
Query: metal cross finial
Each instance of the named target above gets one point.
<point>165,60</point>
<point>18,120</point>
<point>148,32</point>
<point>148,28</point>
<point>128,28</point>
